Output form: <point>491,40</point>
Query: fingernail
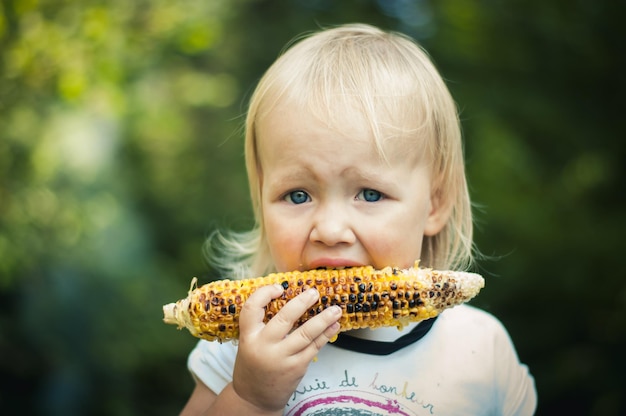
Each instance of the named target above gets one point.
<point>336,310</point>
<point>313,293</point>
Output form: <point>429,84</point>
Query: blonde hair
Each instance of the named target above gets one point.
<point>392,82</point>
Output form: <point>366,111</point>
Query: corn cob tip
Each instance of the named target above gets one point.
<point>178,313</point>
<point>169,314</point>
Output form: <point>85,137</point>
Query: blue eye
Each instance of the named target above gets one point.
<point>297,197</point>
<point>370,195</point>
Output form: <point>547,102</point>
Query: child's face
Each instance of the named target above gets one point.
<point>329,200</point>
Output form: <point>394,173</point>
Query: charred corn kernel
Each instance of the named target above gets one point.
<point>369,298</point>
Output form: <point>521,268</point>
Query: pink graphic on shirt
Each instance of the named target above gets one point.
<point>347,402</point>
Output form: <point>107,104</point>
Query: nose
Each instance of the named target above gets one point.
<point>332,226</point>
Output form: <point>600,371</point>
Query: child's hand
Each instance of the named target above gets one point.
<point>272,358</point>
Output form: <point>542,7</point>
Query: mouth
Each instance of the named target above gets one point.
<point>333,264</point>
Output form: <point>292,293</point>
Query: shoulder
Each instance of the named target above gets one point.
<point>479,344</point>
<point>468,320</point>
<point>210,353</point>
<point>212,363</point>
<point>470,329</point>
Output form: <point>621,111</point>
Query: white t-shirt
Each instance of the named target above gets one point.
<point>465,365</point>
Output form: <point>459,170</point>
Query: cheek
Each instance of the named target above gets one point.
<point>285,243</point>
<point>398,241</point>
<point>400,251</point>
<point>273,231</point>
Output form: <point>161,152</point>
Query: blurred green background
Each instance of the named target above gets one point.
<point>121,149</point>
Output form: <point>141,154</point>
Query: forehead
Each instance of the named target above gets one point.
<point>291,141</point>
<point>347,120</point>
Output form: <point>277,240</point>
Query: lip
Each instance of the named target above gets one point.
<point>333,263</point>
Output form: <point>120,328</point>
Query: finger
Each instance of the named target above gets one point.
<point>253,310</point>
<point>317,331</point>
<point>311,351</point>
<point>328,334</point>
<point>282,323</point>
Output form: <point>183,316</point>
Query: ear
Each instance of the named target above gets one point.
<point>440,211</point>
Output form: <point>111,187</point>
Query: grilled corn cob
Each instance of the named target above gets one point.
<point>369,298</point>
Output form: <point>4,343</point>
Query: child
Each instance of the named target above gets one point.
<point>354,157</point>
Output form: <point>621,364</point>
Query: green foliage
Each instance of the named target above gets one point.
<point>539,92</point>
<point>110,117</point>
<point>120,150</point>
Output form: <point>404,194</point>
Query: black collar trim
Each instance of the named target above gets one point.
<point>367,346</point>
